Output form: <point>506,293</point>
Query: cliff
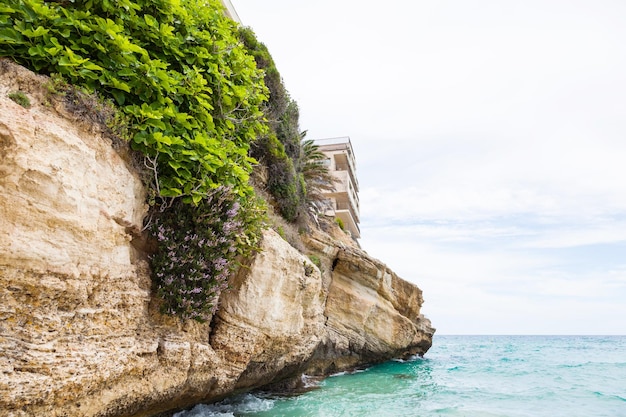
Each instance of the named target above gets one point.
<point>80,334</point>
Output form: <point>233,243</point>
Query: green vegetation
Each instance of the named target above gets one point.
<point>316,261</point>
<point>198,246</point>
<point>296,176</point>
<point>191,98</point>
<point>281,231</point>
<point>20,98</point>
<point>175,67</point>
<point>279,148</point>
<point>317,178</point>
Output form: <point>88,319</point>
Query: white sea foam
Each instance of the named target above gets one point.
<point>309,381</point>
<point>355,371</point>
<point>246,403</point>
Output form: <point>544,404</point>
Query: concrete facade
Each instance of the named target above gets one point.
<point>230,11</point>
<point>342,164</point>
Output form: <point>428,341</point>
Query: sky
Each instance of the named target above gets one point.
<point>490,144</point>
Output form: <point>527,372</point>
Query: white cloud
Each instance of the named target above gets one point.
<point>491,284</point>
<point>465,175</point>
<point>582,235</point>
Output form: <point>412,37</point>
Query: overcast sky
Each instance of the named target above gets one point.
<point>490,145</point>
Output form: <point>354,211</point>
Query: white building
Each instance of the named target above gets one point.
<point>230,11</point>
<point>345,199</point>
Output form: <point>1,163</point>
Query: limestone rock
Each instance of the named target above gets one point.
<point>80,332</point>
<point>372,314</point>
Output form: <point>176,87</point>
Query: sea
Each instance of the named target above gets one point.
<point>470,376</point>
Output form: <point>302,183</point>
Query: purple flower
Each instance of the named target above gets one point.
<point>233,211</point>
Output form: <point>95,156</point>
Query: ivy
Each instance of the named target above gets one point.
<point>176,67</point>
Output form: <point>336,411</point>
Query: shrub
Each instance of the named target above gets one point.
<point>297,179</point>
<point>288,130</point>
<point>279,150</point>
<point>316,261</point>
<point>20,98</point>
<point>282,182</point>
<point>340,224</point>
<point>177,69</point>
<point>197,252</point>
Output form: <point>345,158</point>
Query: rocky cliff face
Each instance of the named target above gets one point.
<point>372,314</point>
<point>79,332</point>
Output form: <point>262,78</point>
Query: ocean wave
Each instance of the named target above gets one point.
<point>609,396</point>
<point>246,403</point>
<point>310,381</point>
<point>342,373</point>
<point>412,358</point>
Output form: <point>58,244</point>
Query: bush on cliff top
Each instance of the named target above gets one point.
<point>193,96</point>
<point>279,149</point>
<point>176,67</point>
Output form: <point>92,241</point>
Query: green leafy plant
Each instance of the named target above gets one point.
<point>297,179</point>
<point>317,178</point>
<point>56,86</point>
<point>192,93</point>
<point>340,224</point>
<point>282,181</point>
<point>316,261</point>
<point>20,98</point>
<point>279,150</point>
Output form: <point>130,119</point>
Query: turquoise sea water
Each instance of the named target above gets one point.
<point>494,376</point>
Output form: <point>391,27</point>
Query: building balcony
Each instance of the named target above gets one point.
<point>345,212</point>
<point>341,150</point>
<point>342,165</point>
<point>345,190</point>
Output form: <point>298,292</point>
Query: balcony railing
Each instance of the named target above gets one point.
<point>342,205</point>
<point>337,144</point>
<point>345,187</point>
<point>334,141</point>
<point>348,168</point>
<point>344,212</point>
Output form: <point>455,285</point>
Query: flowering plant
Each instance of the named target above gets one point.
<point>197,251</point>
